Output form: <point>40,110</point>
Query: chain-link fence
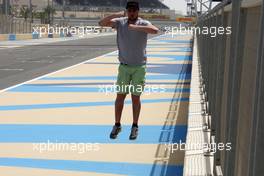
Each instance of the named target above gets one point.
<point>233,79</point>
<point>10,25</point>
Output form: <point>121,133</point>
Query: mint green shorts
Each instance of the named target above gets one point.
<point>131,79</point>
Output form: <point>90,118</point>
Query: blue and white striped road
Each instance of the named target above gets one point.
<point>59,124</point>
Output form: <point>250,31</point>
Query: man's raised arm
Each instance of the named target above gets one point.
<point>150,29</point>
<point>108,21</point>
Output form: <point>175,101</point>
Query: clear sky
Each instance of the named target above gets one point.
<point>179,5</point>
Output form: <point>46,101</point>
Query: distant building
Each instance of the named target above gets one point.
<point>96,8</point>
<point>83,5</point>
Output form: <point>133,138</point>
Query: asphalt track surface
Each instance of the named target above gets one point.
<point>20,64</point>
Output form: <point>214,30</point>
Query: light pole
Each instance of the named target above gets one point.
<point>52,12</point>
<point>161,3</point>
<point>63,9</point>
<point>6,6</point>
<point>204,5</point>
<point>31,11</point>
<point>48,8</point>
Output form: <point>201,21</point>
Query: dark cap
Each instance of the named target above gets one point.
<point>132,4</point>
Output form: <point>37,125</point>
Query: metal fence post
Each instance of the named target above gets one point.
<point>235,66</point>
<point>257,132</point>
<point>220,82</point>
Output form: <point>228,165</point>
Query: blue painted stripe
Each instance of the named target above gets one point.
<point>124,168</point>
<point>104,83</point>
<point>35,35</point>
<point>12,37</point>
<point>164,56</point>
<point>148,134</point>
<point>171,35</point>
<point>148,77</point>
<point>105,89</point>
<point>165,46</point>
<point>81,104</point>
<point>174,41</point>
<point>148,65</point>
<point>170,69</point>
<point>175,50</point>
<point>172,57</point>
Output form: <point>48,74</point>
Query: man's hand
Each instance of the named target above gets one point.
<point>108,21</point>
<point>132,27</point>
<point>121,14</point>
<point>148,29</point>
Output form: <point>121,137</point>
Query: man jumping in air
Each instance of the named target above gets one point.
<point>131,40</point>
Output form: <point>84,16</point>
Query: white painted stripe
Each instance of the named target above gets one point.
<point>11,69</point>
<point>32,42</point>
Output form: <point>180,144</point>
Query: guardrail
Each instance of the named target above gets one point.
<point>233,79</point>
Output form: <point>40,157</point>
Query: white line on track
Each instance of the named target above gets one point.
<point>11,69</point>
<point>32,42</point>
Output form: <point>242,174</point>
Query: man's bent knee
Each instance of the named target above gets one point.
<point>135,98</point>
<point>120,98</point>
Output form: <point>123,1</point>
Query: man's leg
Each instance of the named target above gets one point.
<point>138,82</point>
<point>119,104</point>
<point>136,105</point>
<point>123,79</point>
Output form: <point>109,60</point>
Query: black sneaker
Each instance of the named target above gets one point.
<point>115,131</point>
<point>134,133</point>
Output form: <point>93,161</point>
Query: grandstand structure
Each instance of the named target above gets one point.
<point>145,4</point>
<point>83,5</point>
<point>148,6</point>
<point>98,9</point>
<point>69,9</point>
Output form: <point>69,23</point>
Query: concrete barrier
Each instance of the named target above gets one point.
<point>233,71</point>
<point>35,36</point>
<point>12,37</point>
<point>4,37</point>
<point>24,36</point>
